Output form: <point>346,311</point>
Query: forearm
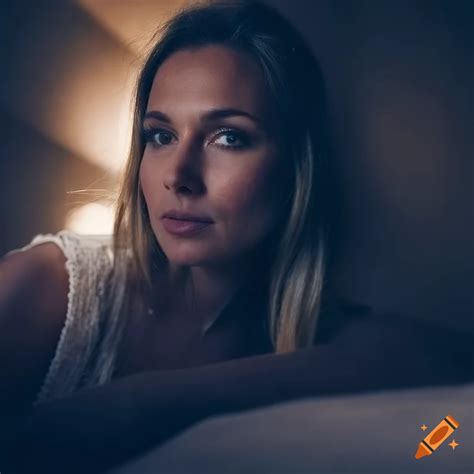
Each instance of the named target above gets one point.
<point>104,426</point>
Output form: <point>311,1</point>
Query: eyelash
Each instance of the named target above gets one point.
<point>150,133</point>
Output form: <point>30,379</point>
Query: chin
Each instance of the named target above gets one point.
<point>186,262</point>
<point>197,259</point>
<point>188,257</point>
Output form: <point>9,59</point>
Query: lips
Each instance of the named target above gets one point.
<point>184,228</point>
<point>186,216</point>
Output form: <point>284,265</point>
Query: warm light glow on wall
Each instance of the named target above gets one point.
<point>92,218</point>
<point>96,120</point>
<point>133,23</point>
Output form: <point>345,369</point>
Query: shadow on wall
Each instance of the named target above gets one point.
<point>36,175</point>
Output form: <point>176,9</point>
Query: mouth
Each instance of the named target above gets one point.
<point>184,227</point>
<point>187,219</point>
<point>186,216</point>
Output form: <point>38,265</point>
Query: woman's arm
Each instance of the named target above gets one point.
<point>101,427</point>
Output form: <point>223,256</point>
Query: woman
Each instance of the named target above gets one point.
<point>219,253</point>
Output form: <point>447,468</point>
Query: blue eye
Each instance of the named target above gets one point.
<point>157,137</point>
<point>165,138</point>
<point>227,138</point>
<point>223,138</point>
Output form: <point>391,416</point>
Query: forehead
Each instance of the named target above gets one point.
<point>208,77</point>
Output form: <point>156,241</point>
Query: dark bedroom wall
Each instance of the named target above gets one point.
<point>400,85</point>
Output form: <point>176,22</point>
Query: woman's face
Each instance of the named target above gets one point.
<point>211,150</point>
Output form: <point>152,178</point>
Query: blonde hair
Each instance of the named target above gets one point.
<point>294,79</point>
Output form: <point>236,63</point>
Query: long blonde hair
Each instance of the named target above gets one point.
<point>294,79</point>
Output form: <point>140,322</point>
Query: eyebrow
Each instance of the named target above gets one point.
<point>212,114</point>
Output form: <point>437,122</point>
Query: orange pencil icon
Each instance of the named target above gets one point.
<point>437,436</point>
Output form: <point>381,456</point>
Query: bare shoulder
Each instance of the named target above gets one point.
<point>34,287</point>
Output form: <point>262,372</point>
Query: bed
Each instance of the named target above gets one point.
<point>376,432</point>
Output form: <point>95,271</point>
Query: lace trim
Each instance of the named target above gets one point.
<point>71,258</point>
<point>87,264</point>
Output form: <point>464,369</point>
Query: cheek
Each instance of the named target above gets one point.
<point>252,195</point>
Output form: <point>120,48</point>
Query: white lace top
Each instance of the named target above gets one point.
<point>84,354</point>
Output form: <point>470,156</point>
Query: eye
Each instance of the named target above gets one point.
<point>157,137</point>
<point>229,138</point>
<point>224,138</point>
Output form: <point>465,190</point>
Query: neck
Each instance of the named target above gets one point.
<point>199,294</point>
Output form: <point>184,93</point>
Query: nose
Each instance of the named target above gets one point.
<point>183,169</point>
